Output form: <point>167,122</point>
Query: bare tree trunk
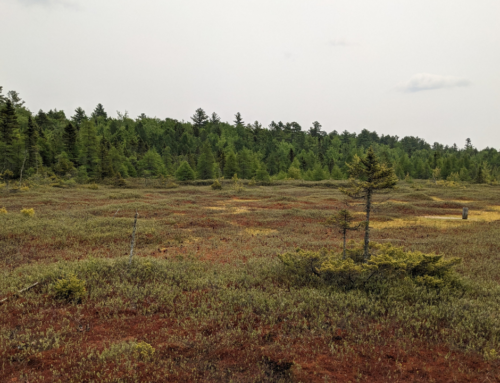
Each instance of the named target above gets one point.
<point>132,242</point>
<point>367,228</point>
<point>22,168</point>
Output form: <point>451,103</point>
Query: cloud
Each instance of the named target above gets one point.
<point>427,81</point>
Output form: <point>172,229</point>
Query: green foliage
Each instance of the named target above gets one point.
<point>262,174</point>
<point>388,263</point>
<point>216,185</point>
<point>70,289</point>
<point>318,173</point>
<point>151,164</point>
<point>206,162</point>
<point>367,176</point>
<point>231,165</point>
<point>185,172</point>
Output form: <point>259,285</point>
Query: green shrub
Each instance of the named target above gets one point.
<point>70,289</point>
<point>387,263</point>
<point>216,185</point>
<point>185,172</point>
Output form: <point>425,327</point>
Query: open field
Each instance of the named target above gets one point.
<point>207,291</point>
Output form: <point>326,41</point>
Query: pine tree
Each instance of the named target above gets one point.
<point>231,165</point>
<point>185,172</point>
<point>79,117</point>
<point>88,155</point>
<point>69,138</point>
<point>30,144</point>
<point>105,165</point>
<point>14,98</point>
<point>206,162</point>
<point>200,119</point>
<point>367,176</point>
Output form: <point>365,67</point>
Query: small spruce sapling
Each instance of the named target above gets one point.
<point>367,176</point>
<point>343,221</point>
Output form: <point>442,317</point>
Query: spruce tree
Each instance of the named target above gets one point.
<point>262,175</point>
<point>152,164</point>
<point>167,161</point>
<point>238,121</point>
<point>69,138</point>
<point>30,144</point>
<point>99,112</point>
<point>185,172</point>
<point>245,164</point>
<point>8,123</point>
<point>88,155</point>
<point>105,165</point>
<point>8,127</point>
<point>79,117</point>
<point>3,99</point>
<point>206,162</point>
<point>215,123</point>
<point>343,221</point>
<point>231,165</point>
<point>367,176</point>
<point>200,119</point>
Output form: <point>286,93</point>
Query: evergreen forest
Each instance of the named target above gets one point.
<point>92,147</point>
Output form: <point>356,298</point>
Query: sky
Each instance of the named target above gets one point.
<point>427,68</point>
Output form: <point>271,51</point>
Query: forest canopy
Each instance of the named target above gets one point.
<point>96,146</point>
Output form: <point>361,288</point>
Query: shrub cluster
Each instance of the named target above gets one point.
<point>70,289</point>
<point>387,263</point>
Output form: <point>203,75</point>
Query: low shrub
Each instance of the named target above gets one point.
<point>387,263</point>
<point>28,212</point>
<point>3,211</point>
<point>70,289</point>
<point>138,350</point>
<point>216,185</point>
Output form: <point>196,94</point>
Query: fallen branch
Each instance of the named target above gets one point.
<point>19,292</point>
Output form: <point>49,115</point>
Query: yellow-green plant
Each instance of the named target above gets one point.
<point>216,185</point>
<point>237,185</point>
<point>3,210</point>
<point>70,289</point>
<point>143,351</point>
<point>387,262</point>
<point>28,212</point>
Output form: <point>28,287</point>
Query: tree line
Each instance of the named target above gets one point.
<point>98,146</point>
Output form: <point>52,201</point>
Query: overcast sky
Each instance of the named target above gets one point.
<point>428,68</point>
